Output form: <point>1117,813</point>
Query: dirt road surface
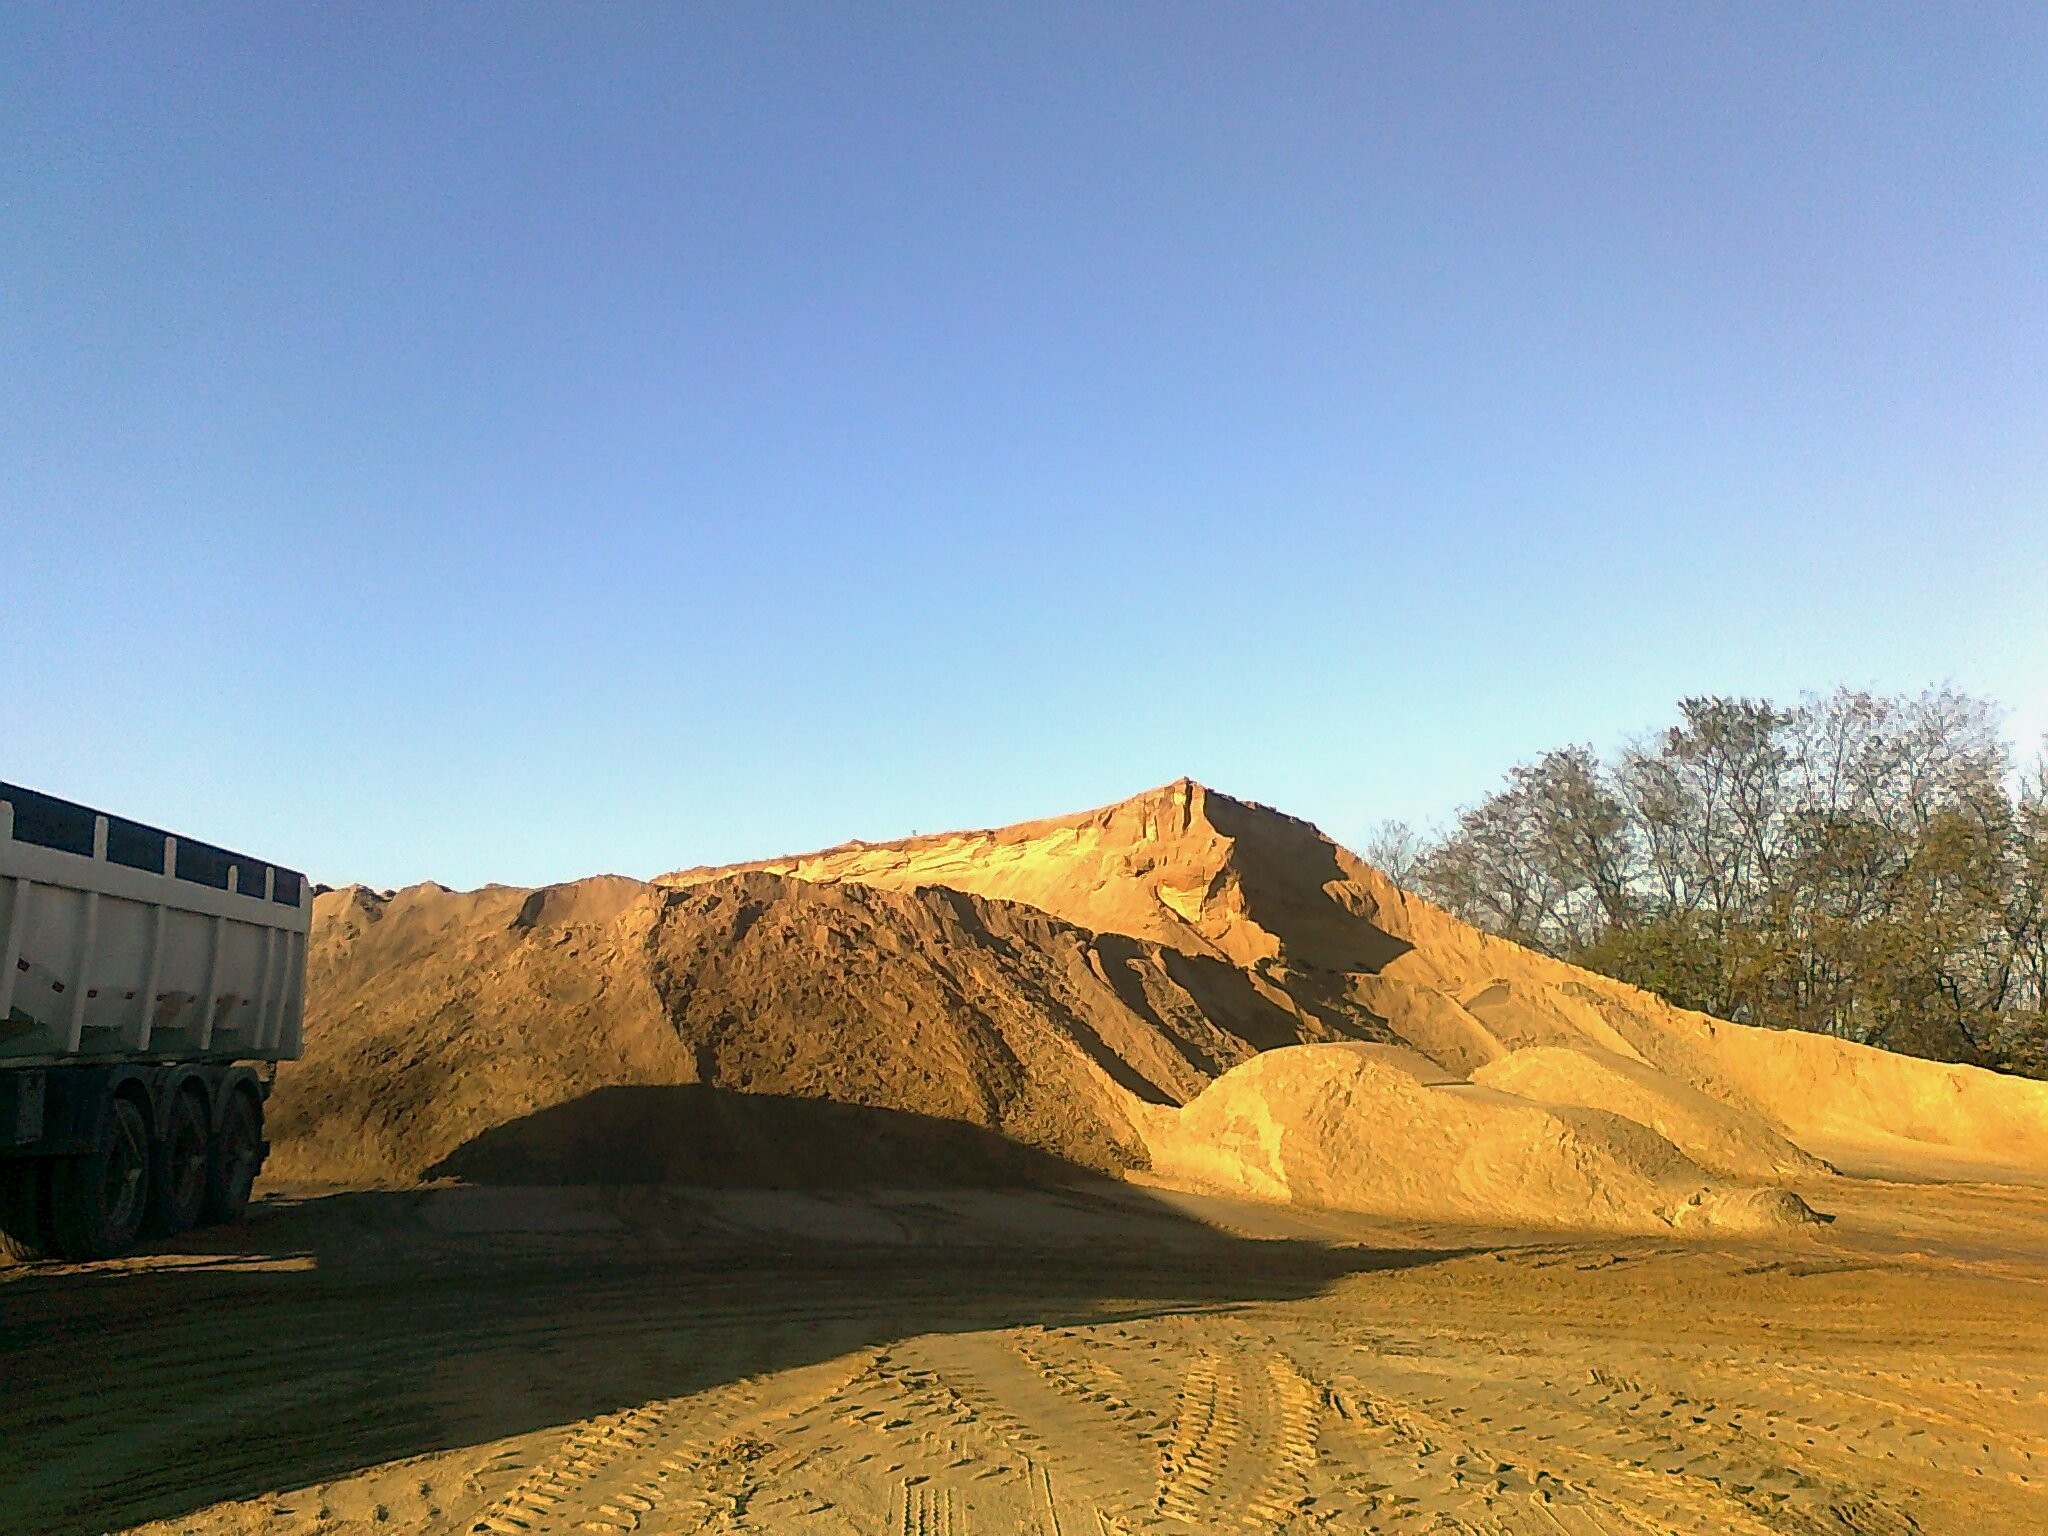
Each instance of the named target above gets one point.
<point>1076,1363</point>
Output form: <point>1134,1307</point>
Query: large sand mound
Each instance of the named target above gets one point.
<point>435,1016</point>
<point>1069,984</point>
<point>1320,932</point>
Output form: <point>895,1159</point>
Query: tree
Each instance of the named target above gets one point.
<point>1394,849</point>
<point>1862,865</point>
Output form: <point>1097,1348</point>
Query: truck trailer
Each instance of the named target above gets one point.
<point>149,985</point>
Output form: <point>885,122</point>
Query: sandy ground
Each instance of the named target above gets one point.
<point>1105,1359</point>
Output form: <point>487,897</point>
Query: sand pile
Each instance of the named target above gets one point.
<point>1717,1136</point>
<point>1069,984</point>
<point>1181,866</point>
<point>433,1015</point>
<point>436,1016</point>
<point>1323,934</point>
<point>1382,1130</point>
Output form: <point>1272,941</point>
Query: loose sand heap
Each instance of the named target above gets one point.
<point>1182,984</point>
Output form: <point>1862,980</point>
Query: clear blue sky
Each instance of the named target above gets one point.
<point>510,442</point>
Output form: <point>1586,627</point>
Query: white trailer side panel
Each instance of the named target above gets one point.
<point>100,960</point>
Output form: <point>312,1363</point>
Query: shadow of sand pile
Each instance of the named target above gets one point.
<point>1181,983</point>
<point>711,1138</point>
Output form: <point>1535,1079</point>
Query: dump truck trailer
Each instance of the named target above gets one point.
<point>149,984</point>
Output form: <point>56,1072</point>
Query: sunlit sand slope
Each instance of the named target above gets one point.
<point>1379,1129</point>
<point>1716,1135</point>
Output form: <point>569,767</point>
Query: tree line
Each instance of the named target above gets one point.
<point>1871,867</point>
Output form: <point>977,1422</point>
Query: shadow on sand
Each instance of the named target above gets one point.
<point>332,1333</point>
<point>716,1138</point>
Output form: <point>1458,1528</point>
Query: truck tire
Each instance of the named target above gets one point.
<point>183,1167</point>
<point>25,1209</point>
<point>237,1156</point>
<point>97,1201</point>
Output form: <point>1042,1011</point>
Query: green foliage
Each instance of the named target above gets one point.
<point>1863,866</point>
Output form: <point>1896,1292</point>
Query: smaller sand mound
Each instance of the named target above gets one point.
<point>1382,1130</point>
<point>1433,1022</point>
<point>1717,1136</point>
<point>1523,1012</point>
<point>1869,1111</point>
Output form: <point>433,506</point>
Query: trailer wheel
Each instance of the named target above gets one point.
<point>25,1209</point>
<point>97,1201</point>
<point>237,1156</point>
<point>184,1162</point>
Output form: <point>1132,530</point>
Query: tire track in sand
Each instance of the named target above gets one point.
<point>1436,1468</point>
<point>696,1456</point>
<point>1243,1442</point>
<point>539,1501</point>
<point>1073,1446</point>
<point>925,1508</point>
